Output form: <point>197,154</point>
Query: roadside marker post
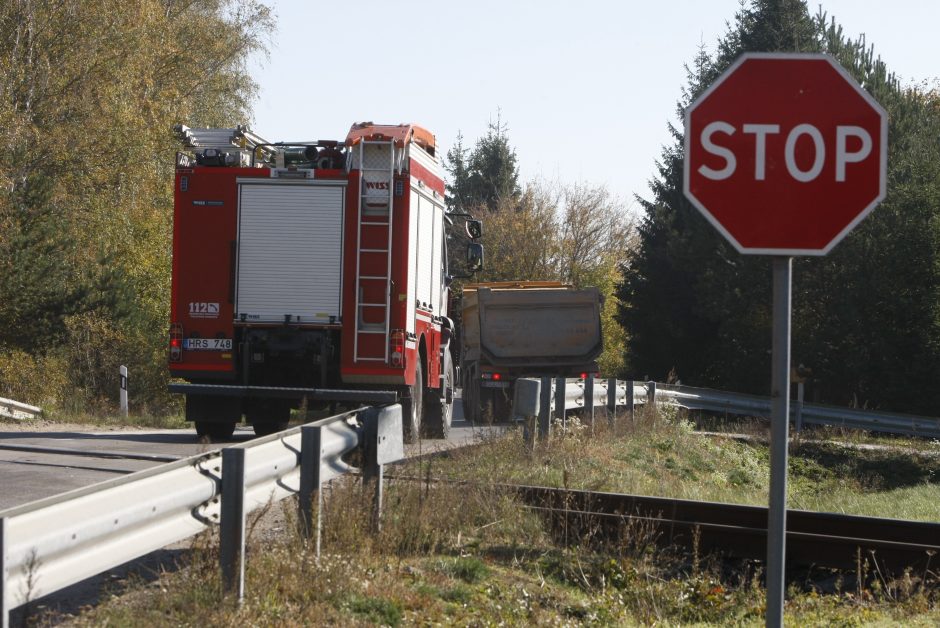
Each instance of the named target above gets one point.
<point>123,373</point>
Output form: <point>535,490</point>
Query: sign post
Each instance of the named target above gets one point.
<point>784,155</point>
<point>779,438</point>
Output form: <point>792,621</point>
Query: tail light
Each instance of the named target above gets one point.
<point>176,342</point>
<point>493,376</point>
<point>396,344</point>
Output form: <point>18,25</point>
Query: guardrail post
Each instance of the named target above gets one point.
<point>799,407</point>
<point>631,401</point>
<point>589,399</point>
<point>545,408</point>
<point>650,394</point>
<point>611,400</point>
<point>560,398</point>
<point>372,470</point>
<point>232,524</point>
<point>525,406</point>
<point>382,443</point>
<point>4,603</point>
<point>311,451</point>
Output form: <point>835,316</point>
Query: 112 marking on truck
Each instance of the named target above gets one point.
<point>313,271</point>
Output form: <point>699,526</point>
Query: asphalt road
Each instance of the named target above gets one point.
<point>37,464</point>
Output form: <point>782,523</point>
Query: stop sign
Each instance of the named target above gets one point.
<point>785,153</point>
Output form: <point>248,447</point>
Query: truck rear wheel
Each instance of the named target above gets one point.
<point>215,430</point>
<point>495,405</point>
<point>440,404</point>
<point>411,409</point>
<point>268,417</point>
<point>475,400</point>
<point>214,417</point>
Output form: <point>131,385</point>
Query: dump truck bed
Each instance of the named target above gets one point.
<point>533,325</point>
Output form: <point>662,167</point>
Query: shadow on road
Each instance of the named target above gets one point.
<point>180,437</point>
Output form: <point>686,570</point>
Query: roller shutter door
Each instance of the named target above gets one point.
<point>290,252</point>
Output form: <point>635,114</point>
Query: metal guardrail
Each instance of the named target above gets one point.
<point>532,400</point>
<point>52,543</point>
<point>16,410</point>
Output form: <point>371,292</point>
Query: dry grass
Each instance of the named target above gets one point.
<point>468,554</point>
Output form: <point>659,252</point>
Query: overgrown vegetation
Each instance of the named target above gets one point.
<point>468,554</point>
<point>91,91</point>
<point>865,317</point>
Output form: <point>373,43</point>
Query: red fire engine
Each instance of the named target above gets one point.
<point>312,270</point>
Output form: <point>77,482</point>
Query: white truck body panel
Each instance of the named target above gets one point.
<point>290,251</point>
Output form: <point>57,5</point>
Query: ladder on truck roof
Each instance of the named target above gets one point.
<point>239,137</point>
<point>377,165</point>
<point>246,143</point>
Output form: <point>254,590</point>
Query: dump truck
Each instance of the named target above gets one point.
<point>312,272</point>
<point>523,329</point>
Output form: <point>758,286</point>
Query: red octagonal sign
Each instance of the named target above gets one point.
<point>785,153</point>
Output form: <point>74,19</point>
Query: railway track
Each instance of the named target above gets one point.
<point>733,531</point>
<point>737,531</point>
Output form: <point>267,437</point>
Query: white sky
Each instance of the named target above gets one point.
<point>587,88</point>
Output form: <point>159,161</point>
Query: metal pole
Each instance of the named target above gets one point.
<point>560,397</point>
<point>589,400</point>
<point>232,524</point>
<point>310,483</point>
<point>611,400</point>
<point>545,408</point>
<point>631,401</point>
<point>372,469</point>
<point>799,407</point>
<point>4,601</point>
<point>779,437</point>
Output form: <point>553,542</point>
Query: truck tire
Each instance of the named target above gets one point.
<point>473,401</point>
<point>413,407</point>
<point>495,405</point>
<point>214,417</point>
<point>215,430</point>
<point>439,404</point>
<point>268,417</point>
<point>465,380</point>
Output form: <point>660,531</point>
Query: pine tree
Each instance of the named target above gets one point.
<point>486,177</point>
<point>865,317</point>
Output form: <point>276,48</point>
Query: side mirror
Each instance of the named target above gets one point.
<point>475,230</point>
<point>474,257</point>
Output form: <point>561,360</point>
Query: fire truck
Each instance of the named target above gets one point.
<point>313,272</point>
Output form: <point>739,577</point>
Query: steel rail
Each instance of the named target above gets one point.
<point>739,531</point>
<point>55,542</point>
<point>734,530</point>
<point>16,410</point>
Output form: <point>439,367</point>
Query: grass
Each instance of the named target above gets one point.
<point>452,554</point>
<point>662,454</point>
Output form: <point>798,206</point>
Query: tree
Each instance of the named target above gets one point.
<point>486,177</point>
<point>91,91</point>
<point>865,317</point>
